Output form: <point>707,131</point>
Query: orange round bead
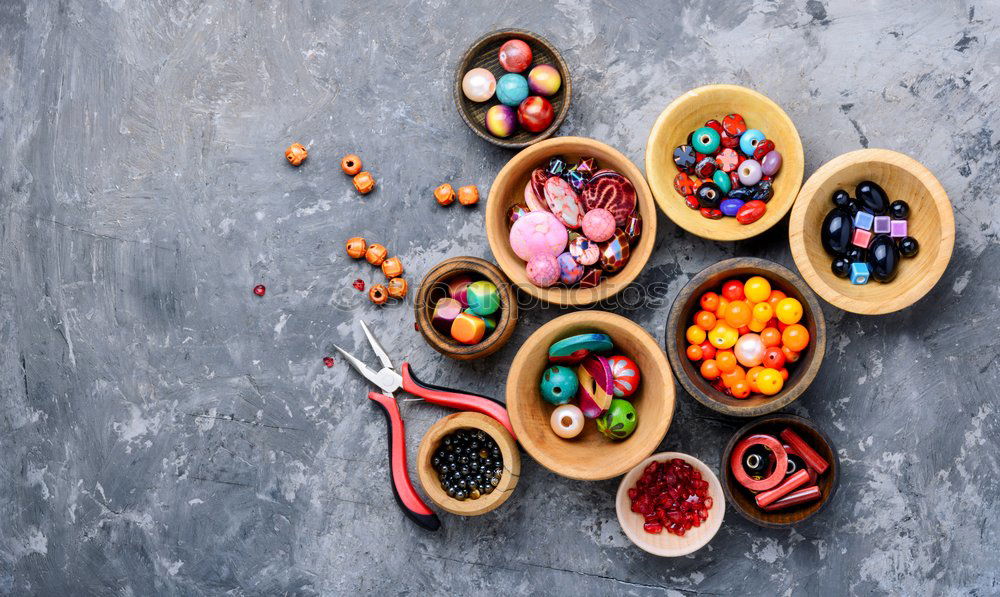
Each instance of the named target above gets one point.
<point>350,164</point>
<point>397,288</point>
<point>709,301</point>
<point>376,254</point>
<point>378,294</point>
<point>709,369</point>
<point>695,335</point>
<point>731,377</point>
<point>356,247</point>
<point>364,182</point>
<point>296,154</point>
<point>791,356</point>
<point>775,297</point>
<point>738,314</point>
<point>705,320</point>
<point>795,337</point>
<point>740,389</point>
<point>752,374</point>
<point>444,194</point>
<point>770,337</point>
<point>392,267</point>
<point>694,352</point>
<point>468,195</point>
<point>726,360</point>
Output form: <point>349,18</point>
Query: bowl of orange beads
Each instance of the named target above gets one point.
<point>746,337</point>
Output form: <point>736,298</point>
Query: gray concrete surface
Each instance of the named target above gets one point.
<point>164,432</point>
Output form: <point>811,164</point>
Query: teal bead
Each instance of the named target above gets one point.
<point>483,298</point>
<point>705,140</point>
<point>559,384</point>
<point>619,421</point>
<point>512,89</point>
<point>723,181</point>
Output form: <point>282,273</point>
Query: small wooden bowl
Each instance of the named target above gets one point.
<point>484,54</point>
<point>508,189</point>
<point>432,483</point>
<point>691,111</point>
<point>590,456</point>
<point>666,544</point>
<point>931,222</point>
<point>687,304</point>
<point>430,290</point>
<point>741,498</point>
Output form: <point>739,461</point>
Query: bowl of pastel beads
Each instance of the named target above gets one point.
<point>570,221</point>
<point>465,308</point>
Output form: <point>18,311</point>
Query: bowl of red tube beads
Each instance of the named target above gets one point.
<point>779,470</point>
<point>724,162</point>
<point>465,308</point>
<point>670,504</point>
<point>512,88</point>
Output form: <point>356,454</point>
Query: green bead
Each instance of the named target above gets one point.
<point>491,322</point>
<point>619,421</point>
<point>721,179</point>
<point>483,297</point>
<point>559,384</point>
<point>705,140</point>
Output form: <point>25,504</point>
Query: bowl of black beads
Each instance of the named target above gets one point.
<point>468,464</point>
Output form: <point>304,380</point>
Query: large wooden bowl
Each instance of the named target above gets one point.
<point>431,289</point>
<point>665,544</point>
<point>801,374</point>
<point>432,483</point>
<point>743,501</point>
<point>931,222</point>
<point>590,456</point>
<point>483,53</point>
<point>691,111</point>
<point>508,189</point>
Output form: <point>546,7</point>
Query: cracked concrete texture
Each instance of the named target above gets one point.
<point>165,432</point>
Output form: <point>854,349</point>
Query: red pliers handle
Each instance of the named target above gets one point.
<point>456,399</point>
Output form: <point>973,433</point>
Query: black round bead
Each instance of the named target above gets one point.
<point>841,198</point>
<point>841,267</point>
<point>899,210</point>
<point>856,254</point>
<point>908,246</point>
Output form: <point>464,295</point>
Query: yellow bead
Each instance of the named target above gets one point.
<point>695,335</point>
<point>723,336</point>
<point>769,382</point>
<point>763,312</point>
<point>788,311</point>
<point>757,326</point>
<point>757,289</point>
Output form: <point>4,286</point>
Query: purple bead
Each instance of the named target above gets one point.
<point>570,271</point>
<point>729,207</point>
<point>881,224</point>
<point>749,172</point>
<point>771,163</point>
<point>897,228</point>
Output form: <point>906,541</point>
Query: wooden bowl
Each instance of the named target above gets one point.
<point>508,189</point>
<point>687,304</point>
<point>429,477</point>
<point>931,222</point>
<point>484,54</point>
<point>742,500</point>
<point>666,544</point>
<point>691,111</point>
<point>590,456</point>
<point>430,290</point>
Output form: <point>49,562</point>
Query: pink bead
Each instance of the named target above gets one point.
<point>538,232</point>
<point>543,270</point>
<point>598,225</point>
<point>749,350</point>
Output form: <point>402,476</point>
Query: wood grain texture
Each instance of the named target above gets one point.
<point>801,374</point>
<point>689,112</point>
<point>431,289</point>
<point>931,222</point>
<point>666,544</point>
<point>431,483</point>
<point>590,456</point>
<point>508,189</point>
<point>743,501</point>
<point>484,53</point>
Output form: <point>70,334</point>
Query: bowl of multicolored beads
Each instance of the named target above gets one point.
<point>724,162</point>
<point>872,231</point>
<point>570,221</point>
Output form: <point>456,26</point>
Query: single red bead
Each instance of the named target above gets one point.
<point>359,285</point>
<point>328,361</point>
<point>715,125</point>
<point>259,290</point>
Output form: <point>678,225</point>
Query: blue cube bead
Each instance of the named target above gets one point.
<point>859,273</point>
<point>863,220</point>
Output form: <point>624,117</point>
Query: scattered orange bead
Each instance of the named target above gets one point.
<point>397,288</point>
<point>364,182</point>
<point>468,195</point>
<point>444,194</point>
<point>720,311</point>
<point>378,294</point>
<point>731,377</point>
<point>350,164</point>
<point>695,335</point>
<point>709,301</point>
<point>376,254</point>
<point>752,374</point>
<point>705,320</point>
<point>296,154</point>
<point>694,352</point>
<point>795,337</point>
<point>356,247</point>
<point>709,370</point>
<point>738,314</point>
<point>790,355</point>
<point>726,360</point>
<point>392,267</point>
<point>740,389</point>
<point>770,337</point>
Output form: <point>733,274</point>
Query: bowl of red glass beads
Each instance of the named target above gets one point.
<point>724,162</point>
<point>570,221</point>
<point>670,504</point>
<point>779,470</point>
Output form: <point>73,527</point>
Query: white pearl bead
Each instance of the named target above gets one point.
<point>479,84</point>
<point>749,350</point>
<point>567,421</point>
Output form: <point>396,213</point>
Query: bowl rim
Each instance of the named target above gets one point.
<point>475,48</point>
<point>727,450</point>
<point>808,194</point>
<point>716,491</point>
<point>583,319</point>
<point>508,307</point>
<point>431,483</point>
<point>514,268</point>
<point>786,396</point>
<point>667,200</point>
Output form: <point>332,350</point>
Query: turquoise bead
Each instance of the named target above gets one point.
<point>749,141</point>
<point>574,349</point>
<point>705,140</point>
<point>512,89</point>
<point>619,421</point>
<point>721,179</point>
<point>559,384</point>
<point>483,297</point>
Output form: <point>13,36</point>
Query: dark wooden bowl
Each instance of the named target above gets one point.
<point>801,374</point>
<point>429,292</point>
<point>483,54</point>
<point>743,501</point>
